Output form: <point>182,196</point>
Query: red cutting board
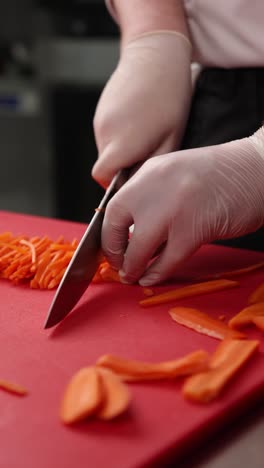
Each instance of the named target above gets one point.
<point>109,320</point>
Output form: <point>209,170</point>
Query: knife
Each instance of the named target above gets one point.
<point>84,262</point>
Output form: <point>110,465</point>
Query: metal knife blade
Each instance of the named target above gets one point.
<point>85,261</point>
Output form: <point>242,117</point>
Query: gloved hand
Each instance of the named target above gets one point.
<point>186,199</point>
<point>144,107</point>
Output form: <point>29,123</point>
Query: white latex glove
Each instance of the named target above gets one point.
<point>144,107</point>
<point>186,199</point>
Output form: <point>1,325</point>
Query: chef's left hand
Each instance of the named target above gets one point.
<point>183,200</point>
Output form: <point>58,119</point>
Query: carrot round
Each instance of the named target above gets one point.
<point>245,316</point>
<point>227,360</point>
<point>116,395</point>
<point>136,371</point>
<point>203,323</point>
<point>83,396</point>
<point>189,291</point>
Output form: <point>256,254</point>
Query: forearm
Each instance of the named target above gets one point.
<point>138,17</point>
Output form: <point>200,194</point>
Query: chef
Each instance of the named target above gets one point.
<point>201,143</point>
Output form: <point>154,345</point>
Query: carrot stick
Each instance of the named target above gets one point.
<point>83,396</point>
<point>32,249</point>
<point>227,360</point>
<point>109,274</point>
<point>203,323</point>
<point>188,291</point>
<point>245,316</point>
<point>259,322</point>
<point>257,295</point>
<point>234,273</point>
<point>130,370</point>
<point>13,388</point>
<point>117,397</point>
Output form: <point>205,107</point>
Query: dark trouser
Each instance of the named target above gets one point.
<point>227,105</point>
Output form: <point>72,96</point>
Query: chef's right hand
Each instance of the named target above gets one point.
<point>144,107</point>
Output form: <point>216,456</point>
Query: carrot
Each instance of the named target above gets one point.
<point>188,291</point>
<point>243,271</point>
<point>107,273</point>
<point>257,295</point>
<point>83,396</point>
<point>148,292</point>
<point>227,360</point>
<point>36,260</point>
<point>13,388</point>
<point>234,273</point>
<point>259,322</point>
<point>130,370</point>
<point>245,316</point>
<point>203,323</point>
<point>32,249</point>
<point>117,397</point>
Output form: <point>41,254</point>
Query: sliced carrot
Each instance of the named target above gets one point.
<point>245,316</point>
<point>83,396</point>
<point>148,292</point>
<point>117,396</point>
<point>189,291</point>
<point>242,271</point>
<point>13,388</point>
<point>203,323</point>
<point>130,370</point>
<point>259,322</point>
<point>108,273</point>
<point>257,295</point>
<point>227,360</point>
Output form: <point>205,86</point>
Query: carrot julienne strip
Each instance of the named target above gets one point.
<point>203,323</point>
<point>13,388</point>
<point>234,273</point>
<point>189,291</point>
<point>31,246</point>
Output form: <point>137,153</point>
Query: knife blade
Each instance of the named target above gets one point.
<point>84,262</point>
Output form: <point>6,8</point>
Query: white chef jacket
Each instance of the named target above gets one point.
<point>225,33</point>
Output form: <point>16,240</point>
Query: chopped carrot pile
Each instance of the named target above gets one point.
<point>189,291</point>
<point>130,370</point>
<point>257,295</point>
<point>93,391</point>
<point>227,360</point>
<point>38,260</point>
<point>245,316</point>
<point>13,388</point>
<point>203,323</point>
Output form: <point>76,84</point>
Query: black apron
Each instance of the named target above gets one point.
<point>227,105</point>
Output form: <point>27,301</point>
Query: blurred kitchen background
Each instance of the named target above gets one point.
<point>55,58</point>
